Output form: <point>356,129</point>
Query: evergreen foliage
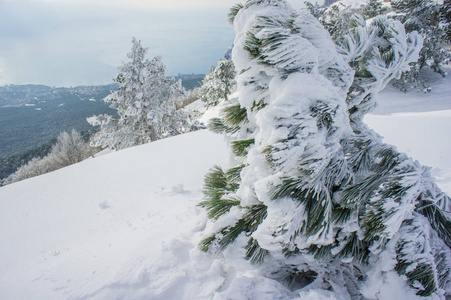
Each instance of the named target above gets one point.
<point>428,18</point>
<point>423,16</point>
<point>374,8</point>
<point>146,102</point>
<point>318,193</point>
<point>218,83</point>
<point>445,17</point>
<point>233,116</point>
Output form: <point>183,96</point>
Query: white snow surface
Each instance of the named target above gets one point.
<point>419,124</point>
<point>124,225</point>
<point>107,226</point>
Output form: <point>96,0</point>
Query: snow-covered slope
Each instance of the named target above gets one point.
<point>125,225</point>
<point>102,223</point>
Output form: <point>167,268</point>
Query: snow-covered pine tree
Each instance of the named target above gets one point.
<point>445,14</point>
<point>424,17</point>
<point>315,194</point>
<point>374,8</point>
<point>337,17</point>
<point>145,102</point>
<point>218,83</point>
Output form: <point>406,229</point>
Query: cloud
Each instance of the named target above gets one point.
<point>58,44</point>
<point>72,42</point>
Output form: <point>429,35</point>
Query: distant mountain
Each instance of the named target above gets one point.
<point>31,115</point>
<point>190,81</point>
<point>19,95</point>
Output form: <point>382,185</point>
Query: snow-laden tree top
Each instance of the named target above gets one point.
<point>146,102</point>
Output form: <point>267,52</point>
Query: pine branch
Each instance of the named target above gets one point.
<point>241,148</point>
<point>316,199</point>
<point>205,244</point>
<point>218,183</point>
<point>360,192</point>
<point>341,215</point>
<point>218,207</point>
<point>439,220</point>
<point>217,125</point>
<point>233,174</point>
<point>385,160</point>
<point>320,252</point>
<point>235,115</point>
<point>233,12</point>
<point>252,45</point>
<point>422,273</point>
<point>248,224</point>
<point>254,252</point>
<point>355,249</point>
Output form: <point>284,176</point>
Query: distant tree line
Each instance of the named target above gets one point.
<point>68,149</point>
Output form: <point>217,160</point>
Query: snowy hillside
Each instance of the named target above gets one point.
<point>125,225</point>
<point>103,223</point>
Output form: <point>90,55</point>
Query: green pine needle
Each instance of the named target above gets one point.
<point>204,245</point>
<point>241,148</point>
<point>252,45</point>
<point>217,125</point>
<point>320,252</point>
<point>218,184</point>
<point>235,115</point>
<point>234,174</point>
<point>341,215</point>
<point>316,199</point>
<point>233,12</point>
<point>248,224</point>
<point>385,160</point>
<point>256,106</point>
<point>358,193</point>
<point>267,152</point>
<point>217,207</point>
<point>356,249</point>
<point>438,219</point>
<point>254,252</point>
<point>423,273</point>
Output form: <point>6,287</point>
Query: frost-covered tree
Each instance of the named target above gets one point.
<point>445,14</point>
<point>218,83</point>
<point>316,197</point>
<point>336,18</point>
<point>374,8</point>
<point>70,148</point>
<point>423,16</point>
<point>146,102</point>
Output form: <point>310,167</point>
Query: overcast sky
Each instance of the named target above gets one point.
<point>78,42</point>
